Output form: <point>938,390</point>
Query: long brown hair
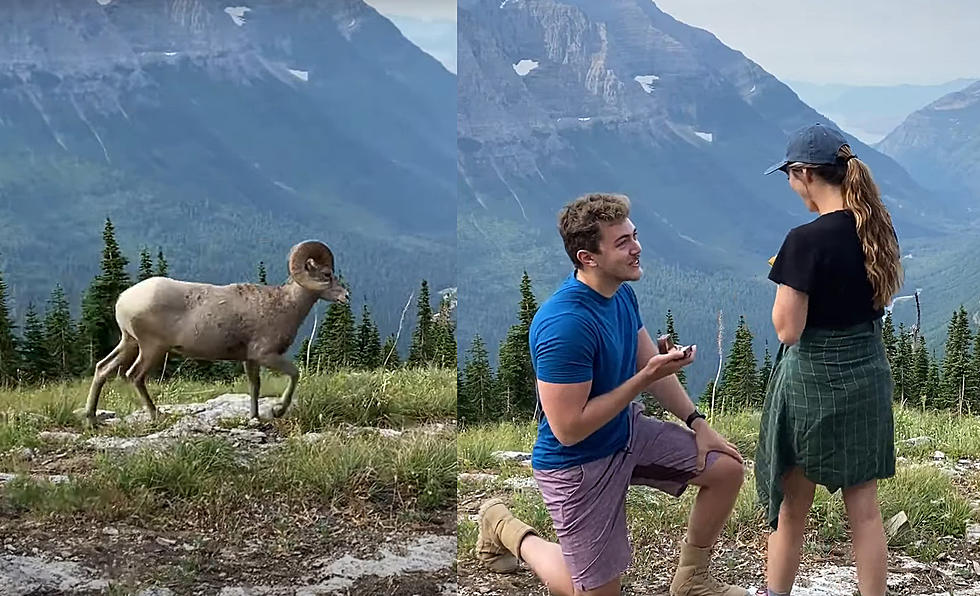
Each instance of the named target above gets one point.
<point>874,224</point>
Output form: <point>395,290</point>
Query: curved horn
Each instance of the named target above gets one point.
<point>303,252</point>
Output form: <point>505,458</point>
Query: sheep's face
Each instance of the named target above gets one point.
<point>331,288</point>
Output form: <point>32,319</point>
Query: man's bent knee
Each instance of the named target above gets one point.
<point>725,470</point>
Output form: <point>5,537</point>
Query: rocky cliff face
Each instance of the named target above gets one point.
<point>940,144</point>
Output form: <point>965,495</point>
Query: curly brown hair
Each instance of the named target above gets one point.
<point>579,221</point>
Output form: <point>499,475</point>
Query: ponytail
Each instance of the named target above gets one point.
<point>874,228</point>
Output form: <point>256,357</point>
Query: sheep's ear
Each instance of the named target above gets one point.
<point>311,265</point>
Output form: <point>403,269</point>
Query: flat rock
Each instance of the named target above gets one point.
<point>23,576</point>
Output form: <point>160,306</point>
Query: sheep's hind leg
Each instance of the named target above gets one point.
<point>286,367</point>
<point>120,356</point>
<point>147,359</point>
<point>252,371</point>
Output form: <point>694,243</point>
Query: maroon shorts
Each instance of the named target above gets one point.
<point>588,502</point>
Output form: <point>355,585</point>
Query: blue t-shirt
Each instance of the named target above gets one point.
<point>580,335</point>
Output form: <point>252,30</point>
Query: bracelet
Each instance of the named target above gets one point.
<point>694,416</point>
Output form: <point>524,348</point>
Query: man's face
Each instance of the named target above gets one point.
<point>619,251</point>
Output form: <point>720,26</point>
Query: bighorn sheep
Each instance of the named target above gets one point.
<point>249,323</point>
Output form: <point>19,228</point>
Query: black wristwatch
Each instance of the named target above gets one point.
<point>694,416</point>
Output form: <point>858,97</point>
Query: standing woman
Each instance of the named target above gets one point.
<point>827,416</point>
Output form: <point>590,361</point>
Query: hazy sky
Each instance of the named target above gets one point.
<point>440,10</point>
<point>873,42</point>
<point>429,24</point>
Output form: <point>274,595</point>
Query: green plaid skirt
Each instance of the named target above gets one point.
<point>828,410</point>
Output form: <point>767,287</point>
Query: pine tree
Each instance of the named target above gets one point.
<point>955,360</point>
<point>888,338</point>
<point>33,355</point>
<point>677,341</point>
<point>336,342</point>
<point>146,265</point>
<point>98,307</point>
<point>512,377</point>
<point>390,358</point>
<point>422,350</point>
<point>974,378</point>
<point>515,374</point>
<point>764,374</point>
<point>705,397</point>
<point>368,342</point>
<point>262,278</point>
<point>162,265</point>
<point>528,306</point>
<point>9,354</point>
<point>934,382</point>
<point>61,337</point>
<point>444,330</point>
<point>918,388</point>
<point>901,376</point>
<point>740,378</point>
<point>477,386</point>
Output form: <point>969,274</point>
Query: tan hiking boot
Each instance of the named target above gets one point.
<point>498,543</point>
<point>693,579</point>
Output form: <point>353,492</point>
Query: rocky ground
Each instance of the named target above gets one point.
<point>826,569</point>
<point>273,547</point>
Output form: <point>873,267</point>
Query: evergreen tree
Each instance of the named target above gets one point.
<point>476,393</point>
<point>98,306</point>
<point>764,374</point>
<point>162,265</point>
<point>955,360</point>
<point>33,356</point>
<point>740,378</point>
<point>61,337</point>
<point>677,341</point>
<point>901,376</point>
<point>444,330</point>
<point>888,338</point>
<point>706,394</point>
<point>9,355</point>
<point>974,377</point>
<point>423,349</point>
<point>336,342</point>
<point>515,374</point>
<point>146,265</point>
<point>934,381</point>
<point>390,358</point>
<point>262,278</point>
<point>368,342</point>
<point>528,306</point>
<point>918,388</point>
<point>513,389</point>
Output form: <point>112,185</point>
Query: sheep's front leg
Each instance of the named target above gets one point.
<point>286,367</point>
<point>252,371</point>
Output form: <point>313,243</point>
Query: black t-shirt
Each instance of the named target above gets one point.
<point>824,260</point>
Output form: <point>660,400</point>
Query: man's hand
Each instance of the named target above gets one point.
<point>664,365</point>
<point>709,440</point>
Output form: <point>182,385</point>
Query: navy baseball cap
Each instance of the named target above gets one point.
<point>815,144</point>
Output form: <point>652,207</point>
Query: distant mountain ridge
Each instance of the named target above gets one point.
<point>940,144</point>
<point>871,112</point>
<point>223,134</point>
